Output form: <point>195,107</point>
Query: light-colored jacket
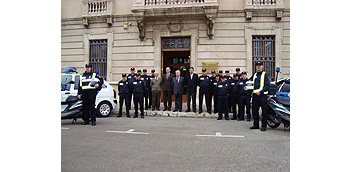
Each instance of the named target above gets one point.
<point>156,85</point>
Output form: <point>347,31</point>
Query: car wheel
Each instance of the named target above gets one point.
<point>104,109</point>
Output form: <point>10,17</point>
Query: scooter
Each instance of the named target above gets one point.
<point>73,110</point>
<point>279,108</point>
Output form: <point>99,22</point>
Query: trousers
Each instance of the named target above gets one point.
<point>124,98</point>
<point>138,99</point>
<point>223,103</point>
<point>88,98</point>
<point>260,101</point>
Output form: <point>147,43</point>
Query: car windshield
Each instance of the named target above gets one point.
<point>65,79</point>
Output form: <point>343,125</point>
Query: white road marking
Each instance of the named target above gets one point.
<point>218,134</point>
<point>130,131</point>
<point>64,128</point>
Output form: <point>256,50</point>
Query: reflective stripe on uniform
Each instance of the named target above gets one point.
<point>86,82</point>
<point>261,83</point>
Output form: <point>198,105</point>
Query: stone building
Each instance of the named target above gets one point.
<point>115,35</point>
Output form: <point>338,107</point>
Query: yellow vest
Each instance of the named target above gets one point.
<point>261,83</point>
<point>85,83</point>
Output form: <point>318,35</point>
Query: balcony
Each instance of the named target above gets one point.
<point>260,5</point>
<point>97,8</point>
<point>155,8</point>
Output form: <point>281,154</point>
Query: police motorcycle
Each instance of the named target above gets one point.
<point>278,105</point>
<point>72,107</point>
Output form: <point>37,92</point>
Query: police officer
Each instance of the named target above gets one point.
<point>88,92</point>
<point>138,88</point>
<point>146,79</point>
<point>214,85</point>
<point>245,97</point>
<point>130,78</point>
<point>150,90</point>
<point>212,78</point>
<point>238,72</point>
<point>204,88</point>
<point>234,96</point>
<point>261,83</point>
<point>227,75</point>
<point>228,80</point>
<point>124,91</point>
<point>223,89</point>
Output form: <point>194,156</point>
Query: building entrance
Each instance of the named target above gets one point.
<point>176,54</point>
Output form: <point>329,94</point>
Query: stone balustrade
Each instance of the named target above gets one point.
<point>253,5</point>
<point>97,8</point>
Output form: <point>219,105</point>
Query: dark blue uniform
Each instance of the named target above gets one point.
<point>260,101</point>
<point>214,89</point>
<point>245,97</point>
<point>130,79</point>
<point>146,80</point>
<point>204,88</point>
<point>89,96</point>
<point>234,98</point>
<point>138,88</point>
<point>223,89</point>
<point>150,92</point>
<point>211,92</point>
<point>124,92</point>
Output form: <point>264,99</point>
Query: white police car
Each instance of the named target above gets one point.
<point>106,98</point>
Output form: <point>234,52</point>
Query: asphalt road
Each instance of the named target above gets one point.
<point>172,144</point>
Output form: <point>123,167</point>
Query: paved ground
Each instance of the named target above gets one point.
<point>172,144</point>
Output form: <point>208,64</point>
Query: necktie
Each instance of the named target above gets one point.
<point>177,79</point>
<point>191,76</point>
<point>167,76</point>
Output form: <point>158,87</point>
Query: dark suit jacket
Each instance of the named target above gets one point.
<point>191,84</point>
<point>178,87</point>
<point>166,83</point>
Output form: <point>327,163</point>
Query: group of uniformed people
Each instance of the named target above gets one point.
<point>226,91</point>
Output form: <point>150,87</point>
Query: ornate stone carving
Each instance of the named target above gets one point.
<point>210,23</point>
<point>175,27</point>
<point>141,28</point>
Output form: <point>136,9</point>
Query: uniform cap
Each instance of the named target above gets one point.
<point>139,70</point>
<point>222,76</point>
<point>203,70</point>
<point>244,72</point>
<point>217,75</point>
<point>153,70</point>
<point>88,65</point>
<point>238,69</point>
<point>213,71</point>
<point>220,71</point>
<point>124,75</point>
<point>258,63</point>
<point>144,70</point>
<point>138,74</point>
<point>132,68</point>
<point>235,75</point>
<point>227,71</point>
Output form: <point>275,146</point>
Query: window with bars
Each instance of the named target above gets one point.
<point>98,56</point>
<point>263,49</point>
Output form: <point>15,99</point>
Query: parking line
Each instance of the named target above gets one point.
<point>218,134</point>
<point>130,131</point>
<point>64,128</point>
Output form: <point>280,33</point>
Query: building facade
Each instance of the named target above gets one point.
<point>115,35</point>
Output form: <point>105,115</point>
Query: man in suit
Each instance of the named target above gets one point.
<point>178,85</point>
<point>191,81</point>
<point>167,89</point>
<point>155,85</point>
